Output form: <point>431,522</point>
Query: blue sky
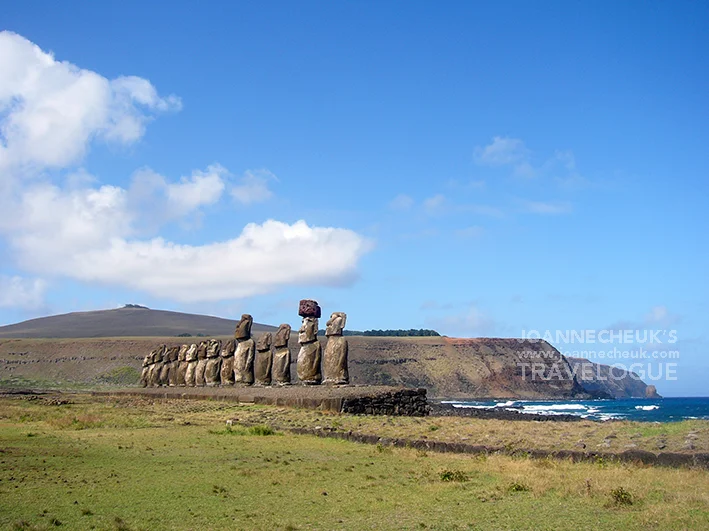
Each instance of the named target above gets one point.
<point>481,168</point>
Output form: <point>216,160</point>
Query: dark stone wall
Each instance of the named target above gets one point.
<point>354,400</point>
<point>407,402</point>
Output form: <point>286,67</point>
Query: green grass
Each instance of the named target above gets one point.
<point>144,464</point>
<point>120,376</point>
<point>616,436</point>
<point>21,382</point>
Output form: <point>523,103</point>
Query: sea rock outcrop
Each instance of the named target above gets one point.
<point>651,392</point>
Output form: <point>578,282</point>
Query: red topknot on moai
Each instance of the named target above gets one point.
<point>309,308</point>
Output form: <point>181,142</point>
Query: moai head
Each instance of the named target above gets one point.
<point>148,359</point>
<point>264,342</point>
<point>282,336</point>
<point>243,327</point>
<point>173,353</point>
<point>336,324</point>
<point>182,353</point>
<point>191,353</point>
<point>228,348</point>
<point>213,348</point>
<point>308,330</point>
<point>159,353</point>
<point>202,350</point>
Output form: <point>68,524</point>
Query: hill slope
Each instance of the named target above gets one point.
<point>122,322</point>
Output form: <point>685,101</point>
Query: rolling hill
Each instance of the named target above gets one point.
<point>131,320</point>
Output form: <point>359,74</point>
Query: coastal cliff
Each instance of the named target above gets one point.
<point>613,381</point>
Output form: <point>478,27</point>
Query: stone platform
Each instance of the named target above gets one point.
<point>358,400</point>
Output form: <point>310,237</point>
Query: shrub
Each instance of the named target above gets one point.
<point>454,475</point>
<point>518,487</point>
<point>620,496</point>
<point>261,430</point>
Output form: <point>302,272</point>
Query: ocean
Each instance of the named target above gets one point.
<point>637,409</point>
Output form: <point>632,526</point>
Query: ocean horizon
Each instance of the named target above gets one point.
<point>666,409</point>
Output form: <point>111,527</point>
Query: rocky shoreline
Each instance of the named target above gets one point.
<point>441,409</point>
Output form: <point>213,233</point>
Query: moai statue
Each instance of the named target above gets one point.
<point>172,374</point>
<point>334,363</point>
<point>245,351</point>
<point>214,362</point>
<point>262,362</point>
<point>201,364</point>
<point>308,364</point>
<point>156,367</point>
<point>191,359</point>
<point>167,365</point>
<point>280,371</point>
<point>181,366</point>
<point>145,373</point>
<point>227,368</point>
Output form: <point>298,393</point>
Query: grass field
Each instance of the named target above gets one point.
<point>140,464</point>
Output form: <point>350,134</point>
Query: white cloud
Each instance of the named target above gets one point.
<point>89,234</point>
<point>261,259</point>
<point>401,202</point>
<point>47,219</point>
<point>505,151</point>
<point>540,207</point>
<point>18,292</point>
<point>51,110</point>
<point>434,204</point>
<point>201,188</point>
<point>512,152</point>
<point>253,187</point>
<point>502,151</point>
<point>153,200</point>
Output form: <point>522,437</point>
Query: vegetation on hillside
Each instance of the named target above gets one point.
<point>412,332</point>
